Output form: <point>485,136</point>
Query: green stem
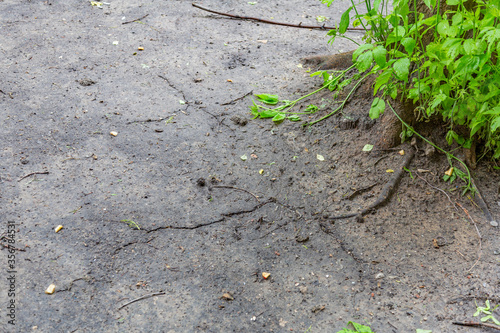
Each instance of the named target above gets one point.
<point>341,106</point>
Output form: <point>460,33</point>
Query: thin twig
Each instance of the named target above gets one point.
<point>33,173</point>
<point>323,27</point>
<point>478,234</point>
<point>239,189</point>
<point>140,298</point>
<point>474,324</point>
<point>136,19</point>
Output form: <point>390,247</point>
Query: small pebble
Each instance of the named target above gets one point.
<point>494,223</point>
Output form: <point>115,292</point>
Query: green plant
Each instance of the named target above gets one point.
<point>445,62</point>
<point>132,224</point>
<point>488,311</point>
<point>356,328</point>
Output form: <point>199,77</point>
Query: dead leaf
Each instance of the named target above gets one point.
<point>227,297</point>
<point>318,308</point>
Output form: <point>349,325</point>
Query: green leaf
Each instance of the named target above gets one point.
<point>364,61</point>
<point>469,46</point>
<point>401,69</point>
<point>443,27</point>
<point>268,99</point>
<point>409,44</point>
<point>311,108</point>
<point>360,50</point>
<point>377,108</point>
<point>279,117</point>
<point>495,124</point>
<point>361,328</point>
<point>379,54</point>
<point>396,34</point>
<point>254,109</point>
<point>344,21</point>
<point>457,19</point>
<point>452,2</point>
<point>367,147</point>
<point>268,114</point>
<point>382,79</point>
<point>294,118</point>
<point>430,3</point>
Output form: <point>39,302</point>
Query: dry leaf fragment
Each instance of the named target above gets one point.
<point>261,171</point>
<point>58,228</point>
<point>113,133</point>
<point>401,152</point>
<point>435,243</point>
<point>140,48</point>
<point>449,172</point>
<point>263,41</point>
<point>266,275</point>
<point>50,289</point>
<point>229,80</point>
<point>227,297</point>
<point>318,308</point>
<point>389,170</point>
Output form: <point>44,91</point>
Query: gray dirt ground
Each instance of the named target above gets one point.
<point>199,240</point>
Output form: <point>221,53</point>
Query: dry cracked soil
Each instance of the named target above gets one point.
<point>126,124</point>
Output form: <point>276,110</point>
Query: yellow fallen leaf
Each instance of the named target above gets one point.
<point>96,3</point>
<point>449,172</point>
<point>58,228</point>
<point>401,152</point>
<point>140,48</point>
<point>389,170</point>
<point>113,133</point>
<point>50,289</point>
<point>265,275</point>
<point>229,80</point>
<point>261,171</point>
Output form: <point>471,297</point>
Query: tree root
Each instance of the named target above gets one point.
<point>478,198</point>
<point>338,61</point>
<point>386,192</point>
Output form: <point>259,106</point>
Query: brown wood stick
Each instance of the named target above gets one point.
<point>474,324</point>
<point>323,27</point>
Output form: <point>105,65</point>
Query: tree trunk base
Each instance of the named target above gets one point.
<point>389,128</point>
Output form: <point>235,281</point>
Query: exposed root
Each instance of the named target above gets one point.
<point>339,61</point>
<point>386,192</point>
<point>478,198</point>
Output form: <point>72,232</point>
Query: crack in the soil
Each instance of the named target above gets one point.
<point>222,219</point>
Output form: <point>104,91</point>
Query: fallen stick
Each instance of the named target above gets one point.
<point>33,173</point>
<point>140,298</point>
<point>323,27</point>
<point>140,18</point>
<point>474,324</point>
